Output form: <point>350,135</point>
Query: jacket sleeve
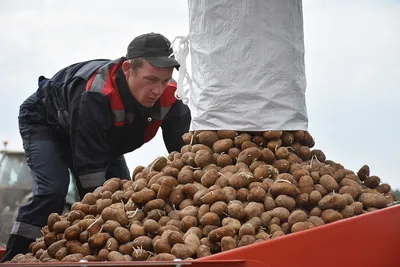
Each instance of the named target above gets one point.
<point>91,121</point>
<point>175,124</point>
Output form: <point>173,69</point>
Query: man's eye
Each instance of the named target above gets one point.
<point>151,80</point>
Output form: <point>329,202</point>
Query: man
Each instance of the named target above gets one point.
<point>86,118</point>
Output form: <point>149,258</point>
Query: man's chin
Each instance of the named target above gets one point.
<point>148,104</point>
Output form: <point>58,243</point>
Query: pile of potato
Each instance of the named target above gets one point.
<point>223,190</point>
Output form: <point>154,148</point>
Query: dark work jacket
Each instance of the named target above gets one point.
<point>87,114</point>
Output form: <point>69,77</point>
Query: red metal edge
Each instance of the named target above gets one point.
<point>366,240</point>
<point>2,251</point>
<point>205,263</point>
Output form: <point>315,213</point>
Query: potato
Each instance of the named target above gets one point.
<point>170,171</point>
<point>316,220</point>
<point>122,235</point>
<point>246,240</point>
<point>329,183</point>
<point>188,211</point>
<point>300,173</point>
<point>352,183</point>
<point>203,158</point>
<point>235,223</point>
<point>246,229</point>
<point>155,214</point>
<point>209,178</point>
<point>143,242</point>
<point>314,198</point>
<point>306,184</point>
<point>188,222</point>
<point>274,228</point>
<point>282,153</point>
<point>301,226</point>
<point>112,244</point>
<point>61,226</point>
<point>282,165</point>
<point>267,156</point>
<point>240,180</point>
<point>339,175</point>
<point>371,200</point>
<point>111,186</point>
<point>357,207</point>
<point>326,170</point>
<point>188,159</point>
<point>253,209</point>
<point>138,255</point>
<point>167,185</point>
<point>84,237</point>
<point>164,257</point>
<point>143,196</point>
<point>126,248</point>
<point>158,164</point>
<point>281,213</point>
<point>224,160</point>
<point>302,200</point>
<point>273,145</point>
<point>256,194</point>
<point>353,191</point>
<point>72,232</point>
<point>187,138</point>
<point>115,215</point>
<point>347,212</point>
<point>192,241</point>
<point>222,145</point>
<point>139,185</point>
<point>331,215</point>
<point>214,196</point>
<point>161,246</point>
<point>89,199</point>
<point>154,204</point>
<point>53,248</point>
<point>316,211</point>
<point>372,181</point>
<point>42,258</point>
<point>39,245</point>
<point>297,216</point>
<point>210,218</point>
<point>228,243</point>
<point>285,201</point>
<point>383,188</point>
<point>321,189</point>
<point>284,188</point>
<point>262,172</point>
<point>217,234</point>
<point>220,208</point>
<point>72,258</point>
<point>151,181</point>
<point>332,201</point>
<point>85,208</point>
<point>269,203</point>
<point>272,134</point>
<point>115,256</point>
<point>318,154</point>
<point>304,153</point>
<point>173,237</point>
<point>208,138</point>
<point>249,155</point>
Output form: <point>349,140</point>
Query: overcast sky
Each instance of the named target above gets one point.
<point>352,66</point>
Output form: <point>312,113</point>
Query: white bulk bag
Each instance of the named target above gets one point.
<point>247,61</point>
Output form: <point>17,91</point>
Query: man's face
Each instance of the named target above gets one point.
<point>147,83</point>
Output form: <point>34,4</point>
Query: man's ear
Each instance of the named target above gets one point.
<point>126,66</point>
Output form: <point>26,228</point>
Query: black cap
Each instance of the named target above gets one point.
<point>153,47</point>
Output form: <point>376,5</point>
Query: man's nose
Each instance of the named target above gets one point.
<point>158,88</point>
